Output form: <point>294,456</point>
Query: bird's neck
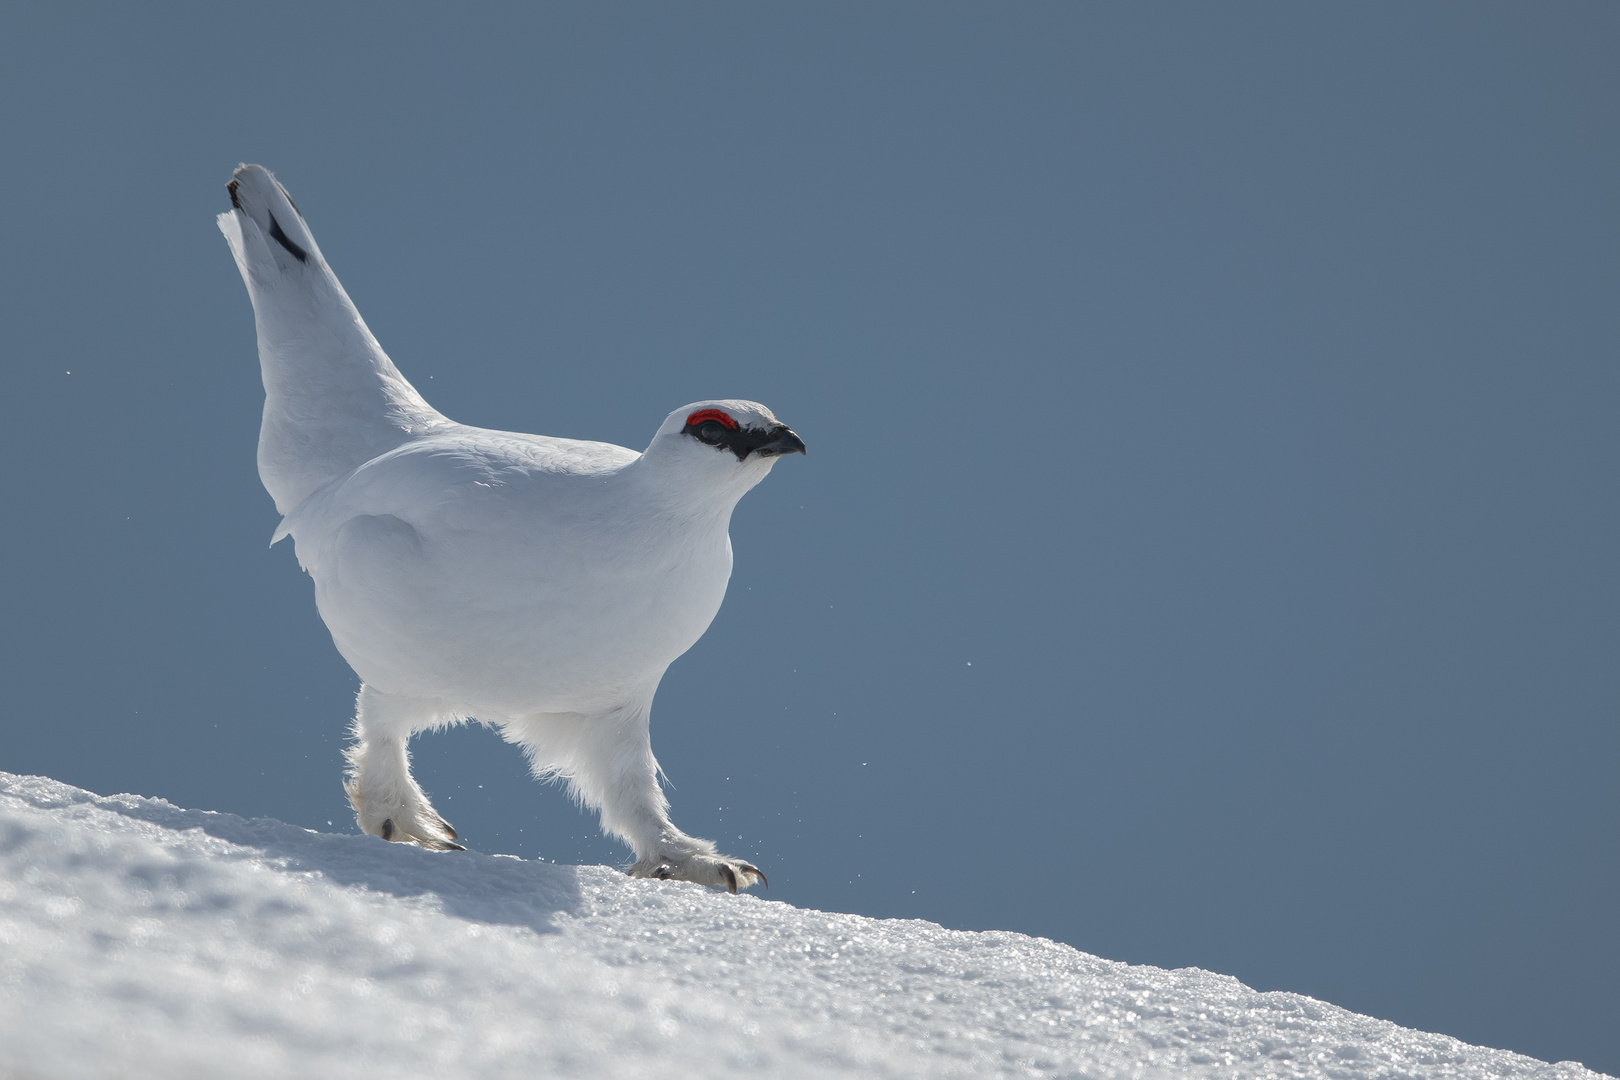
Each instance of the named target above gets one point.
<point>677,490</point>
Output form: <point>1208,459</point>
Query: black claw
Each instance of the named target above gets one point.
<point>451,829</point>
<point>731,877</point>
<point>231,187</point>
<point>388,828</point>
<point>752,869</point>
<point>663,873</point>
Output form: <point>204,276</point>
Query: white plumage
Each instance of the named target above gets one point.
<point>537,584</point>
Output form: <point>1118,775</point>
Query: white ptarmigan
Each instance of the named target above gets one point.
<point>539,585</point>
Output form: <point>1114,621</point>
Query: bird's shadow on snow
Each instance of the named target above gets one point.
<point>482,888</point>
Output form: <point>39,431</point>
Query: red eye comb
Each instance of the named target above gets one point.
<point>703,416</point>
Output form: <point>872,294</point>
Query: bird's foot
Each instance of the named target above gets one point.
<point>703,865</point>
<point>401,814</point>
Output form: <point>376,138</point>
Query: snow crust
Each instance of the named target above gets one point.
<point>140,939</point>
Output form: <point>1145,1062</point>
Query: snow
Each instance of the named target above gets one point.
<point>140,939</point>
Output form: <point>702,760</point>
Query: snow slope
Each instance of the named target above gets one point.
<point>139,939</point>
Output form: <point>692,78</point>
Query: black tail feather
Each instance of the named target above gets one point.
<point>281,238</point>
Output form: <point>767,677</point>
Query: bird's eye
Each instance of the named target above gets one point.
<point>711,432</point>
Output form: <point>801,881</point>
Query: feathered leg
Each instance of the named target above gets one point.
<point>387,800</point>
<point>606,759</point>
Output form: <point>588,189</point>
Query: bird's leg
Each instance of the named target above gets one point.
<point>613,769</point>
<point>387,800</point>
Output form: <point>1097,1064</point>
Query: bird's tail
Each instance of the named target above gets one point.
<point>263,201</point>
<point>333,399</point>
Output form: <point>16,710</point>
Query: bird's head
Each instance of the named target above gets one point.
<point>725,443</point>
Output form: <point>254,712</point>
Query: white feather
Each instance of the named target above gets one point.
<point>539,584</point>
<point>333,399</point>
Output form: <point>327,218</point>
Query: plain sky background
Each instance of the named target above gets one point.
<point>1206,553</point>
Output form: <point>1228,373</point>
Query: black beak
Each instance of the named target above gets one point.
<point>783,441</point>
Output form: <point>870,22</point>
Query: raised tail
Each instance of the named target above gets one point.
<point>332,398</point>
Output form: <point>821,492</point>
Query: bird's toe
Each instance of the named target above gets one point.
<point>701,868</point>
<point>402,820</point>
<point>434,843</point>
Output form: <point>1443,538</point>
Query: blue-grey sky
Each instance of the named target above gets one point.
<point>1206,553</point>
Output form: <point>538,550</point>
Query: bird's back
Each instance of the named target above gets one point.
<point>499,568</point>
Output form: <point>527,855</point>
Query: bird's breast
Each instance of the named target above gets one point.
<point>519,600</point>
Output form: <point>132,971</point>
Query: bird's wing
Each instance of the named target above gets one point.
<point>492,484</point>
<point>333,399</point>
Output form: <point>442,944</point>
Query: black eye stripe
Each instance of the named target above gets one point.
<point>741,441</point>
